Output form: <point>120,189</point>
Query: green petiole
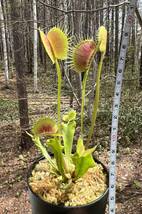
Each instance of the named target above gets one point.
<point>59,93</point>
<point>96,100</point>
<point>83,100</point>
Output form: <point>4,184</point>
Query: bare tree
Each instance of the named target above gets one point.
<point>140,79</point>
<point>35,45</point>
<point>4,46</point>
<point>20,71</point>
<point>116,35</point>
<point>28,38</point>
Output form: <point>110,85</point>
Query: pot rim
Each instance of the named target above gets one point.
<point>67,207</point>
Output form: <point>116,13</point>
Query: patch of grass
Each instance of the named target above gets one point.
<point>8,110</point>
<point>131,117</point>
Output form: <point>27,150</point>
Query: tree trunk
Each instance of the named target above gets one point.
<point>107,61</point>
<point>77,26</point>
<point>133,44</point>
<point>45,17</point>
<point>35,45</point>
<point>139,16</point>
<point>140,79</point>
<point>4,46</point>
<point>122,25</point>
<point>20,71</point>
<point>116,35</point>
<point>101,12</point>
<point>112,42</point>
<point>28,40</point>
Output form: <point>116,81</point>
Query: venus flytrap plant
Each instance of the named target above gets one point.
<point>81,59</point>
<point>60,135</point>
<point>44,126</point>
<point>102,42</point>
<point>56,46</point>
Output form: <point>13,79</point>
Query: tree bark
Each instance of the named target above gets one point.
<point>28,40</point>
<point>112,42</point>
<point>20,71</point>
<point>45,15</point>
<point>139,16</point>
<point>122,25</point>
<point>35,45</point>
<point>140,79</point>
<point>116,36</point>
<point>4,46</point>
<point>77,26</point>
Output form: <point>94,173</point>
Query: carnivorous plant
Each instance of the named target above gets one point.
<point>59,136</point>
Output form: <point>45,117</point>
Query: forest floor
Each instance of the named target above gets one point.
<point>14,164</point>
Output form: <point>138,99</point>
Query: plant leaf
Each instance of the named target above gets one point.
<point>42,149</point>
<point>68,131</point>
<point>89,151</point>
<point>59,42</point>
<point>82,159</point>
<point>102,38</point>
<point>47,45</point>
<point>57,150</point>
<point>82,55</point>
<point>82,164</point>
<point>69,166</point>
<point>80,149</point>
<point>71,115</point>
<point>44,126</point>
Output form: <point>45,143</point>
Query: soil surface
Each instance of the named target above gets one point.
<point>14,164</point>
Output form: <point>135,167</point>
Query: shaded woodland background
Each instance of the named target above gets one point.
<point>28,90</point>
<point>22,54</point>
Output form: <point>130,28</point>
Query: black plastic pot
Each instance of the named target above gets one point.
<point>40,206</point>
